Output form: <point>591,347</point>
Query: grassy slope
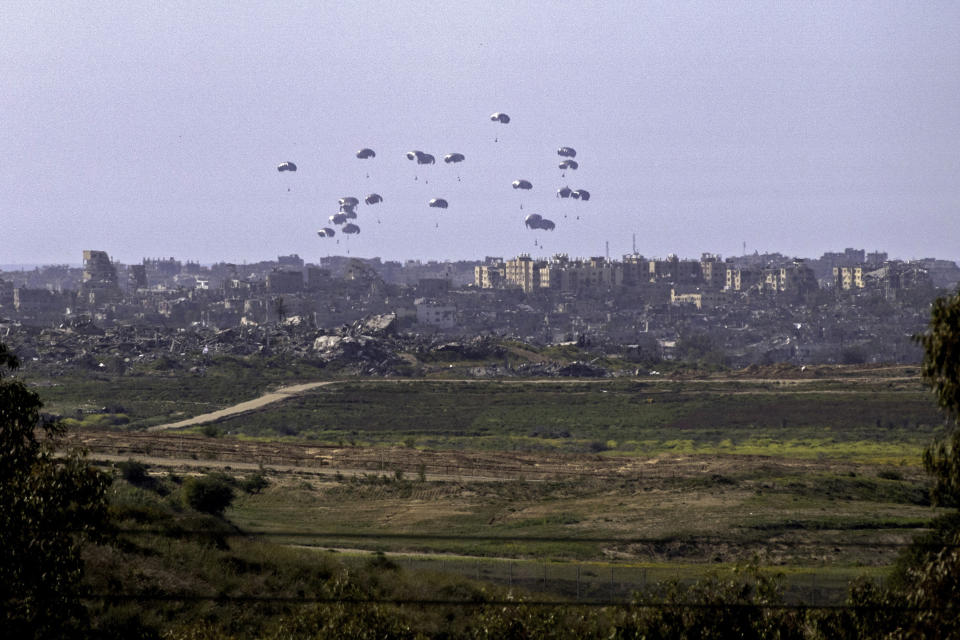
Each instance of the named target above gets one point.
<point>797,519</point>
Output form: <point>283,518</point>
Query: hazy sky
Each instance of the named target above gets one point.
<point>155,128</point>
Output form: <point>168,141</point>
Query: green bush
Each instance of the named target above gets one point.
<point>208,494</point>
<point>134,472</point>
<point>211,431</point>
<point>255,483</point>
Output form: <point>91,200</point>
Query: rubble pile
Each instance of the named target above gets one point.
<point>368,346</point>
<point>478,348</point>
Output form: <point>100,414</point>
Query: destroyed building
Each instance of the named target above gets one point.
<point>750,309</point>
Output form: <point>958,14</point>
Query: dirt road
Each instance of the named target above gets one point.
<point>244,407</point>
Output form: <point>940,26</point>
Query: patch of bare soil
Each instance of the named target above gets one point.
<point>175,449</point>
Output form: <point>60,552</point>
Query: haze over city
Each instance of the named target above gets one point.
<point>150,130</point>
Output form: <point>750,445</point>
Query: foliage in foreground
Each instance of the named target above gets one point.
<point>49,507</point>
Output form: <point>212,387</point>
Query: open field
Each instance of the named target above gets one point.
<point>163,391</point>
<point>816,476</point>
<point>821,523</point>
<point>866,420</point>
<point>880,416</point>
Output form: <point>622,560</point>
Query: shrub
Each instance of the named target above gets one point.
<point>380,561</point>
<point>211,431</point>
<point>134,472</point>
<point>598,446</point>
<point>255,483</point>
<point>208,494</point>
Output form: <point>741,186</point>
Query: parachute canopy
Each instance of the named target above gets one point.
<point>338,218</point>
<point>326,232</point>
<point>567,152</point>
<point>365,153</point>
<point>421,157</point>
<point>453,157</point>
<point>581,194</point>
<point>500,117</point>
<point>522,184</point>
<point>373,198</point>
<point>569,164</point>
<point>536,221</point>
<point>350,228</point>
<point>564,192</point>
<point>348,201</point>
<point>438,203</point>
<point>286,166</point>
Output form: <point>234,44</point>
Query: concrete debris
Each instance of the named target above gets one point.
<point>382,325</point>
<point>479,348</point>
<point>554,370</point>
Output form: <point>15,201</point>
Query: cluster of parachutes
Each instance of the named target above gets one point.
<point>348,206</point>
<point>536,221</point>
<point>576,194</point>
<point>425,158</point>
<point>347,212</point>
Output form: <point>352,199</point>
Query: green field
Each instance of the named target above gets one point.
<point>155,394</point>
<point>870,422</point>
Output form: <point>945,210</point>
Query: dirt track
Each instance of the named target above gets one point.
<point>244,407</point>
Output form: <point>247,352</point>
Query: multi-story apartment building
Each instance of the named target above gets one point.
<point>795,278</point>
<point>742,279</point>
<point>490,275</point>
<point>577,276</point>
<point>847,278</point>
<point>713,271</point>
<point>524,272</point>
<point>635,270</point>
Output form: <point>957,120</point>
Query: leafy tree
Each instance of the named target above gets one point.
<point>928,577</point>
<point>209,494</point>
<point>135,472</point>
<point>922,601</point>
<point>255,483</point>
<point>747,604</point>
<point>49,506</point>
<point>932,597</point>
<point>941,370</point>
